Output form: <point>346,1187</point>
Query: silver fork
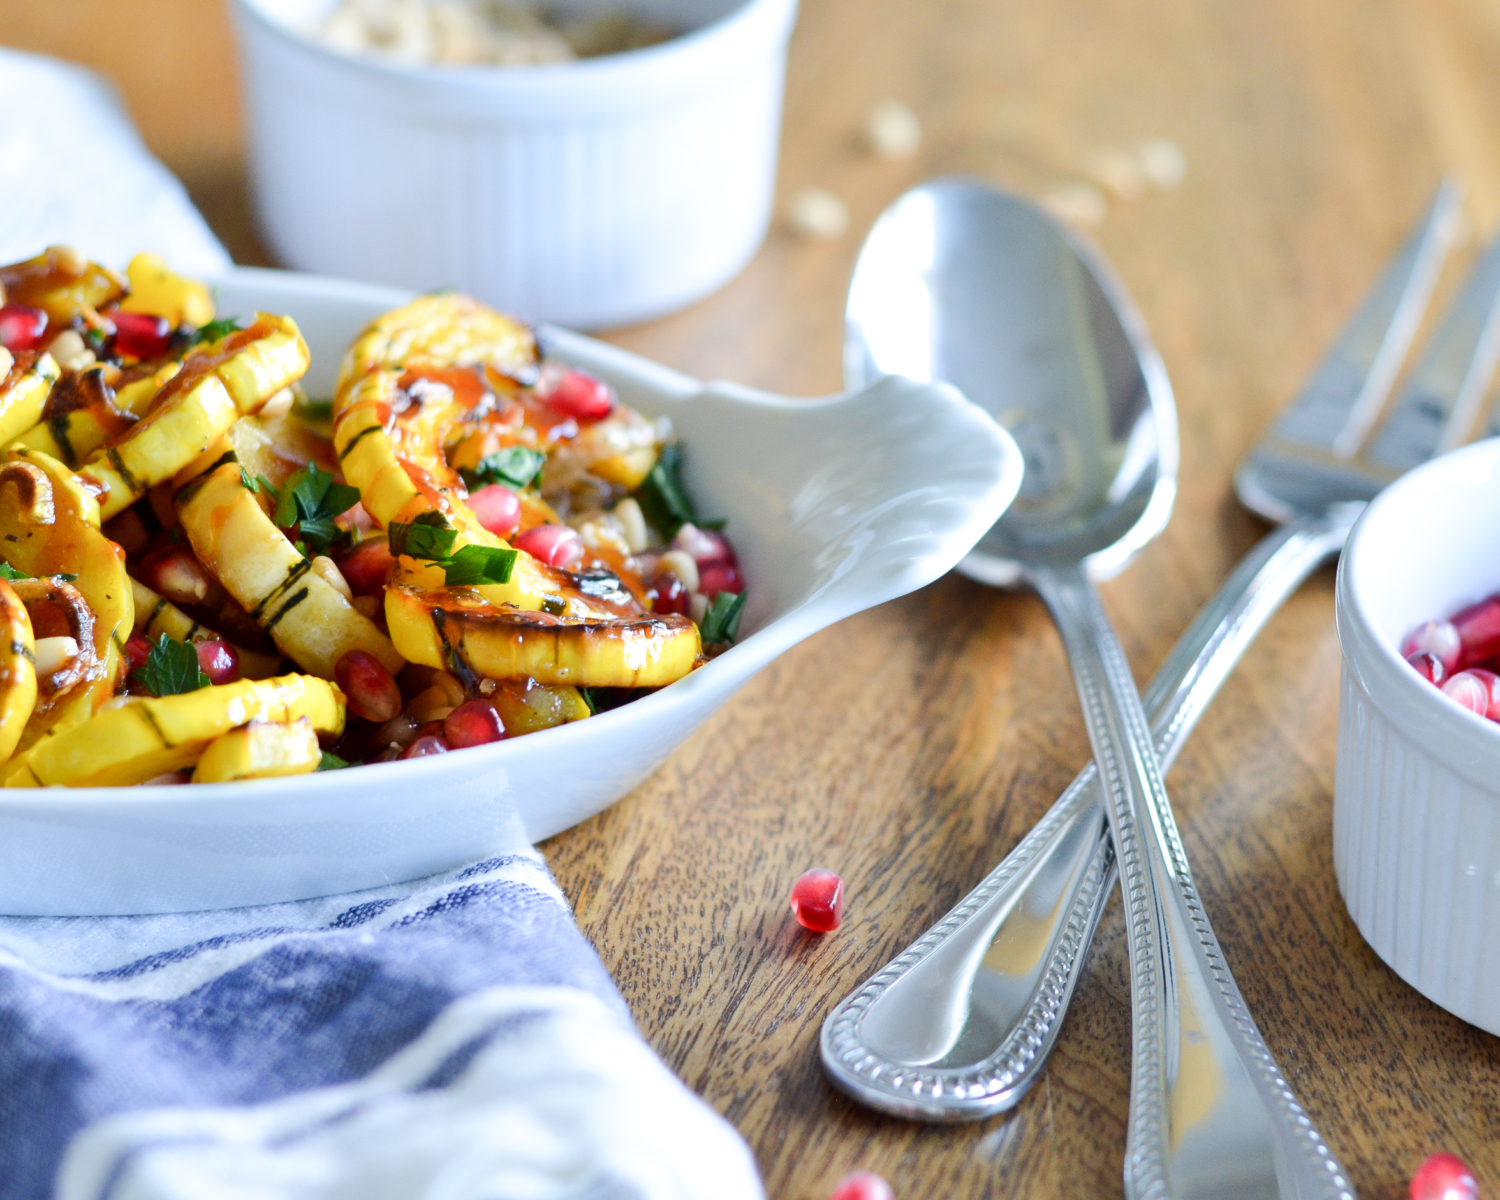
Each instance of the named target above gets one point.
<point>958,1025</point>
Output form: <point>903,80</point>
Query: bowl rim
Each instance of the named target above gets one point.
<point>1464,740</point>
<point>749,19</point>
<point>728,671</point>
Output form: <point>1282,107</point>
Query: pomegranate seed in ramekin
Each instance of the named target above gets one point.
<point>1444,1177</point>
<point>862,1185</point>
<point>818,900</point>
<point>1468,689</point>
<point>220,661</point>
<point>1479,630</point>
<point>498,509</point>
<point>555,545</point>
<point>371,691</point>
<point>473,723</point>
<point>1439,637</point>
<point>21,326</point>
<point>1428,665</point>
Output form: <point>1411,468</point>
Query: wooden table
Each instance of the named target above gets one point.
<point>911,747</point>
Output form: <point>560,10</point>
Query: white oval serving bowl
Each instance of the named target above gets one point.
<point>834,506</point>
<point>593,193</point>
<point>1416,809</point>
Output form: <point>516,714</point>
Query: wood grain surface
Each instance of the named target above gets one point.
<point>909,748</point>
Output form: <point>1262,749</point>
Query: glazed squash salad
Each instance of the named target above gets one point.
<point>206,576</point>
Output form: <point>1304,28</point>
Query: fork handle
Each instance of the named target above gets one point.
<point>878,1043</point>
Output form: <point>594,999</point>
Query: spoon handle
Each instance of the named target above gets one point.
<point>905,1040</point>
<point>1210,1113</point>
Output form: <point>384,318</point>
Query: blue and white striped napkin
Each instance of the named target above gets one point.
<point>450,1039</point>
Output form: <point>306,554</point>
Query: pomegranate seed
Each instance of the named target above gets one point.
<point>667,595</point>
<point>1444,1177</point>
<point>1439,637</point>
<point>367,567</point>
<point>555,545</point>
<point>473,723</point>
<point>174,573</point>
<point>1428,665</point>
<point>137,650</point>
<point>703,545</point>
<point>1491,683</point>
<point>424,746</point>
<point>1470,691</point>
<point>498,509</point>
<point>1479,630</point>
<point>862,1185</point>
<point>720,577</point>
<point>371,691</point>
<point>141,335</point>
<point>579,395</point>
<point>220,661</point>
<point>21,326</point>
<point>818,900</point>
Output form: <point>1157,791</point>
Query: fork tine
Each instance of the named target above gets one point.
<point>1344,395</point>
<point>1436,407</point>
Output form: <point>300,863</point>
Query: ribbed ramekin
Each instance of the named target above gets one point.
<point>1416,809</point>
<point>592,193</point>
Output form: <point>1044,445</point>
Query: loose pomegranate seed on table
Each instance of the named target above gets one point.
<point>141,335</point>
<point>473,723</point>
<point>498,509</point>
<point>555,545</point>
<point>219,660</point>
<point>579,395</point>
<point>1440,638</point>
<point>818,900</point>
<point>1444,1177</point>
<point>371,691</point>
<point>21,326</point>
<point>862,1185</point>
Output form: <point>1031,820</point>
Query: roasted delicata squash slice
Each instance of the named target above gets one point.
<point>216,386</point>
<point>49,527</point>
<point>260,750</point>
<point>137,738</point>
<point>87,408</point>
<point>234,537</point>
<point>156,615</point>
<point>443,329</point>
<point>396,462</point>
<point>456,630</point>
<point>17,670</point>
<point>26,380</point>
<point>61,282</point>
<point>156,289</point>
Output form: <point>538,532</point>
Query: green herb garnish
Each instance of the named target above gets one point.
<point>171,669</point>
<point>722,621</point>
<point>662,497</point>
<point>431,538</point>
<point>311,500</point>
<point>315,410</point>
<point>9,572</point>
<point>215,330</point>
<point>331,762</point>
<point>515,466</point>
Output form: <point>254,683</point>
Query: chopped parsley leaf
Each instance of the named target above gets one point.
<point>662,498</point>
<point>171,669</point>
<point>722,621</point>
<point>331,762</point>
<point>215,330</point>
<point>515,466</point>
<point>474,565</point>
<point>311,500</point>
<point>9,572</point>
<point>429,536</point>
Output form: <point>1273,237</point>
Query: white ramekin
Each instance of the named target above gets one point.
<point>1416,808</point>
<point>592,194</point>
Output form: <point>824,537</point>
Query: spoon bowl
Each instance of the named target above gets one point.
<point>963,283</point>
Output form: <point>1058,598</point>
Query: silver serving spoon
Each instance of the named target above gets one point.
<point>962,283</point>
